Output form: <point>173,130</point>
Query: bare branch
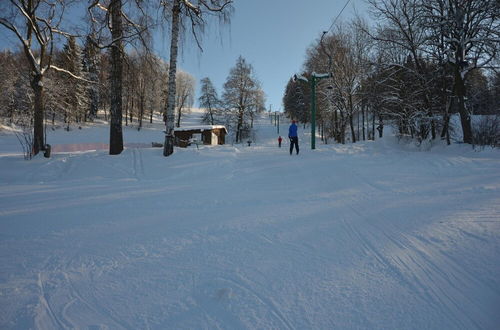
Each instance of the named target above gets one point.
<point>219,9</point>
<point>192,7</point>
<point>71,74</point>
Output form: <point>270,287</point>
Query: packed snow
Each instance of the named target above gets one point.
<point>372,235</point>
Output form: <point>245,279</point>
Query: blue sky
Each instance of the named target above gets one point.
<point>272,35</point>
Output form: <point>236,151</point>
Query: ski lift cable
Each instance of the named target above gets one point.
<point>325,32</point>
<point>335,20</point>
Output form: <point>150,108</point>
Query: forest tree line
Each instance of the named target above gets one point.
<point>420,63</point>
<point>71,101</point>
<point>109,29</point>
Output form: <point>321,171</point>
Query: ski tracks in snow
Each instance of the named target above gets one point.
<point>425,269</point>
<point>138,163</point>
<point>240,303</point>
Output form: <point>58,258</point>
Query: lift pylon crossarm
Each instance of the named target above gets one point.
<point>321,75</point>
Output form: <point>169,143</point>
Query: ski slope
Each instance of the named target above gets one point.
<point>373,235</point>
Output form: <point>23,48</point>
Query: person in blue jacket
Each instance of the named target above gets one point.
<point>294,139</point>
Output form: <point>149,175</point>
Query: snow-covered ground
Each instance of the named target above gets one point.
<point>366,236</point>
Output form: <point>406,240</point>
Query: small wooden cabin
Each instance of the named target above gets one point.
<point>204,134</point>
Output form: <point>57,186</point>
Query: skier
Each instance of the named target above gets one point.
<point>294,139</point>
<point>279,141</point>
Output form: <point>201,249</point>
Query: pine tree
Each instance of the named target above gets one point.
<point>91,67</point>
<point>296,101</point>
<point>74,88</point>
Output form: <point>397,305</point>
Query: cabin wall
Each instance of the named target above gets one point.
<point>182,138</point>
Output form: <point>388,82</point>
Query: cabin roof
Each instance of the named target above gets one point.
<point>200,128</point>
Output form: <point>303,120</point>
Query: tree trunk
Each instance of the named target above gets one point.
<point>359,134</point>
<point>335,126</point>
<point>446,121</point>
<point>132,105</point>
<point>465,119</point>
<point>170,112</point>
<point>116,134</point>
<point>38,134</point>
<point>178,124</point>
<point>127,102</point>
<point>239,127</point>
<point>373,125</point>
<point>211,116</point>
<point>351,120</point>
<point>380,127</point>
<point>142,108</point>
<point>342,127</point>
<point>351,124</point>
<point>433,128</point>
<point>363,120</point>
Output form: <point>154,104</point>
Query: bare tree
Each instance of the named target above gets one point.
<point>116,135</point>
<point>342,53</point>
<point>209,100</point>
<point>470,33</point>
<point>242,95</point>
<point>184,97</point>
<point>456,34</point>
<point>402,30</point>
<point>36,24</point>
<point>122,27</point>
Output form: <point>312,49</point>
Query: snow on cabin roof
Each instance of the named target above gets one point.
<point>200,128</point>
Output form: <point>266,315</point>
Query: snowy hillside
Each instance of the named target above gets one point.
<point>365,236</point>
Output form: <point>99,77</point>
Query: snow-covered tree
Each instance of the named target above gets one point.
<point>91,67</point>
<point>443,38</point>
<point>184,96</point>
<point>9,75</point>
<point>342,53</point>
<point>117,21</point>
<point>74,95</point>
<point>36,24</point>
<point>471,35</point>
<point>401,34</point>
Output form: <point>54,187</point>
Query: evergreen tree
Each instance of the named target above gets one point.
<point>75,98</point>
<point>91,67</point>
<point>296,101</point>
